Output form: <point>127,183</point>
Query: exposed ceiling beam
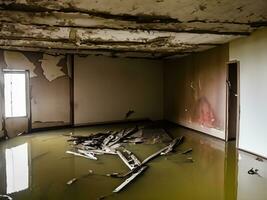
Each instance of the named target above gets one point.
<point>99,36</point>
<point>153,28</point>
<point>241,11</point>
<point>104,47</point>
<point>80,20</point>
<point>108,53</point>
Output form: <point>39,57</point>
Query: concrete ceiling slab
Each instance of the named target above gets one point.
<point>127,28</point>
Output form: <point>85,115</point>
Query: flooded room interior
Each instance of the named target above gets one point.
<point>133,100</point>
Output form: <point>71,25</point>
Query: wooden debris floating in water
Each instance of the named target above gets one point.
<point>190,159</point>
<point>171,146</point>
<point>187,151</point>
<point>111,143</point>
<point>128,180</point>
<point>70,182</point>
<point>5,196</point>
<point>92,157</point>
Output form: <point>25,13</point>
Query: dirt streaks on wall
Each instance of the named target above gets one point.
<point>195,91</point>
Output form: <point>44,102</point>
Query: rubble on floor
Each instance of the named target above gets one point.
<point>114,142</point>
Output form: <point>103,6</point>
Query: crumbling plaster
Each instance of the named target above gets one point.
<point>49,88</point>
<point>163,27</point>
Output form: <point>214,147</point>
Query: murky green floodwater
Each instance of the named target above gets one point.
<point>37,167</point>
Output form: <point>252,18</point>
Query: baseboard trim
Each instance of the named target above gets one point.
<point>111,122</point>
<point>34,130</point>
<point>208,131</point>
<point>252,153</point>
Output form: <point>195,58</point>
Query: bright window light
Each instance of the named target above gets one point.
<point>17,169</point>
<point>15,94</point>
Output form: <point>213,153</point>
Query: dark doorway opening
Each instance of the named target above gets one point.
<point>232,101</point>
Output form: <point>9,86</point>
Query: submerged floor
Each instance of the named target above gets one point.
<point>37,167</point>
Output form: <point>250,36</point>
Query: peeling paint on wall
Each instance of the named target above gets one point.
<point>51,69</point>
<point>17,60</point>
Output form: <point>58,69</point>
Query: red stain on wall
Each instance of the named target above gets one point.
<point>204,113</point>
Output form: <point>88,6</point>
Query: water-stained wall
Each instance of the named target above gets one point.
<point>195,91</point>
<point>105,89</point>
<point>48,85</point>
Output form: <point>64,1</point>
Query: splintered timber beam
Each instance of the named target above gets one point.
<point>131,160</point>
<point>164,150</point>
<point>131,178</point>
<point>89,156</point>
<point>109,142</point>
<point>83,20</point>
<point>124,159</point>
<point>135,171</point>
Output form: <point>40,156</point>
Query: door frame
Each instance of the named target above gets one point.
<point>227,101</point>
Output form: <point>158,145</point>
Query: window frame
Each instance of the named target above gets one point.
<point>12,71</point>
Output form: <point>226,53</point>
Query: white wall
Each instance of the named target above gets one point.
<point>252,54</point>
<point>106,88</point>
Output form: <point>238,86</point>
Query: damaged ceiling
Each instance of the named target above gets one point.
<point>130,28</point>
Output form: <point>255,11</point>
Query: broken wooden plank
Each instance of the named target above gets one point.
<point>81,155</point>
<point>88,153</point>
<point>154,155</point>
<point>128,180</point>
<point>163,151</point>
<point>170,147</point>
<point>5,196</point>
<point>124,159</point>
<point>131,160</point>
<point>187,151</point>
<point>123,134</point>
<point>70,182</point>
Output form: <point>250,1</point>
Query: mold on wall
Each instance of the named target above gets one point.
<point>105,89</point>
<point>195,91</point>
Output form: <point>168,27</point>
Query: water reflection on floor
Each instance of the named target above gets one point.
<point>37,167</point>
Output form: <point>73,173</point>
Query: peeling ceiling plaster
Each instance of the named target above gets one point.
<point>150,29</point>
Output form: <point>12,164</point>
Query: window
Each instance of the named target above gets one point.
<point>15,94</point>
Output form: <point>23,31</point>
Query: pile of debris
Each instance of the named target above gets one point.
<point>112,143</point>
